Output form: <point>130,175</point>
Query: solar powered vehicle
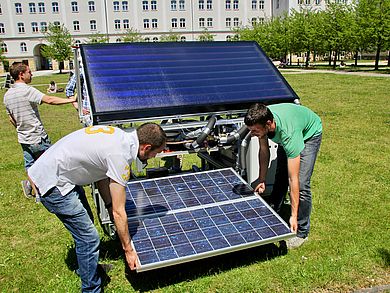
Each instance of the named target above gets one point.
<point>199,93</point>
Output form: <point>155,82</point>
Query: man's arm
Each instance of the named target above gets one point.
<point>118,196</point>
<point>293,175</point>
<point>263,163</point>
<point>52,100</point>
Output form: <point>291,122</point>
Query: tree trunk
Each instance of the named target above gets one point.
<point>330,57</point>
<point>378,52</point>
<point>307,58</point>
<point>356,57</point>
<point>335,59</point>
<point>388,59</point>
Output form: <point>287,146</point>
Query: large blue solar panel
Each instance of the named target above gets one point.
<point>232,218</point>
<point>142,80</point>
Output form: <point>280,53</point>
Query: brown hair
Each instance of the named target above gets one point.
<point>151,133</point>
<point>258,114</point>
<point>17,68</point>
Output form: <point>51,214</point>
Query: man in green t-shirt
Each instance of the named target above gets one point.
<point>298,132</point>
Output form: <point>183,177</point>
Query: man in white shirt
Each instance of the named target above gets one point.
<point>21,102</point>
<point>101,154</point>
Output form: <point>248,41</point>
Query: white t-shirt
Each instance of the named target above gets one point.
<point>22,102</point>
<point>85,156</point>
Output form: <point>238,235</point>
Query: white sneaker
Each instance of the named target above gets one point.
<point>27,189</point>
<point>295,242</point>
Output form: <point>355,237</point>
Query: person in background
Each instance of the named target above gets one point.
<point>70,92</point>
<point>298,132</point>
<point>52,89</point>
<point>101,154</point>
<point>21,103</point>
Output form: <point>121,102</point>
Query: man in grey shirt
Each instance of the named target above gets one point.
<point>21,102</point>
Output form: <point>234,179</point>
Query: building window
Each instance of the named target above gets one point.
<point>183,39</point>
<point>209,22</point>
<point>228,38</point>
<point>55,7</point>
<point>34,27</point>
<point>21,27</point>
<point>77,42</point>
<point>181,5</point>
<point>117,24</point>
<point>18,8</point>
<point>277,4</point>
<point>228,4</point>
<point>1,10</point>
<point>154,23</point>
<point>209,5</point>
<point>254,5</point>
<point>201,22</point>
<point>41,7</point>
<point>2,29</point>
<point>145,5</point>
<point>254,21</point>
<point>43,25</point>
<point>201,4</point>
<point>155,39</point>
<point>118,40</point>
<point>236,22</point>
<point>125,6</point>
<point>235,4</point>
<point>182,22</point>
<point>173,5</point>
<point>57,23</point>
<point>91,6</point>
<point>153,5</point>
<point>147,39</point>
<point>126,24</point>
<point>146,23</point>
<point>116,5</point>
<point>261,4</point>
<point>76,25</point>
<point>32,8</point>
<point>261,20</point>
<point>228,22</point>
<point>4,48</point>
<point>75,7</point>
<point>318,2</point>
<point>174,23</point>
<point>23,47</point>
<point>307,2</point>
<point>92,25</point>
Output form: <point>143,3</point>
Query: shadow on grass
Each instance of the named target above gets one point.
<point>159,278</point>
<point>385,255</point>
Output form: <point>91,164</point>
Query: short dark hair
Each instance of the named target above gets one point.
<point>151,133</point>
<point>17,68</point>
<point>258,114</point>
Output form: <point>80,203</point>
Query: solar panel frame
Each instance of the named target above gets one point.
<point>175,236</point>
<point>133,81</point>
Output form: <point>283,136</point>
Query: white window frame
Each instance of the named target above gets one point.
<point>76,25</point>
<point>209,22</point>
<point>153,5</point>
<point>236,22</point>
<point>21,29</point>
<point>74,6</point>
<point>125,6</point>
<point>55,8</point>
<point>182,23</point>
<point>92,25</point>
<point>228,4</point>
<point>34,27</point>
<point>235,5</point>
<point>174,23</point>
<point>4,48</point>
<point>91,6</point>
<point>261,4</point>
<point>154,23</point>
<point>146,23</point>
<point>209,5</point>
<point>117,24</point>
<point>23,47</point>
<point>201,22</point>
<point>116,6</point>
<point>182,5</point>
<point>201,4</point>
<point>228,22</point>
<point>126,24</point>
<point>18,8</point>
<point>145,5</point>
<point>32,8</point>
<point>43,26</point>
<point>41,7</point>
<point>2,28</point>
<point>173,5</point>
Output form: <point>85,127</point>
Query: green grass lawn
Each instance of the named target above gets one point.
<point>349,246</point>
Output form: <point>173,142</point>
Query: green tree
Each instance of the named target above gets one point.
<point>374,22</point>
<point>97,38</point>
<point>59,45</point>
<point>132,36</point>
<point>206,36</point>
<point>171,37</point>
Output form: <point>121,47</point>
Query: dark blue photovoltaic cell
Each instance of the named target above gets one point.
<point>163,231</point>
<point>185,191</point>
<point>139,80</point>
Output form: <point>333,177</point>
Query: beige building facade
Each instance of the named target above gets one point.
<point>22,22</point>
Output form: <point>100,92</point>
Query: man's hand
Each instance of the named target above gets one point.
<point>131,258</point>
<point>293,224</point>
<point>260,188</point>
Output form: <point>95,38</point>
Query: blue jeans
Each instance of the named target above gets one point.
<point>308,159</point>
<point>31,152</point>
<point>75,213</point>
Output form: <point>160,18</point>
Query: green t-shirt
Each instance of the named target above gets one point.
<point>294,125</point>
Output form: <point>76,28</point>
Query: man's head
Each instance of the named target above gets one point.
<point>259,120</point>
<point>152,140</point>
<point>20,72</point>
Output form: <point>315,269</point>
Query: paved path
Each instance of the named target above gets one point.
<point>358,73</point>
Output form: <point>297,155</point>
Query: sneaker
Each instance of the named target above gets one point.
<point>27,189</point>
<point>295,242</point>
